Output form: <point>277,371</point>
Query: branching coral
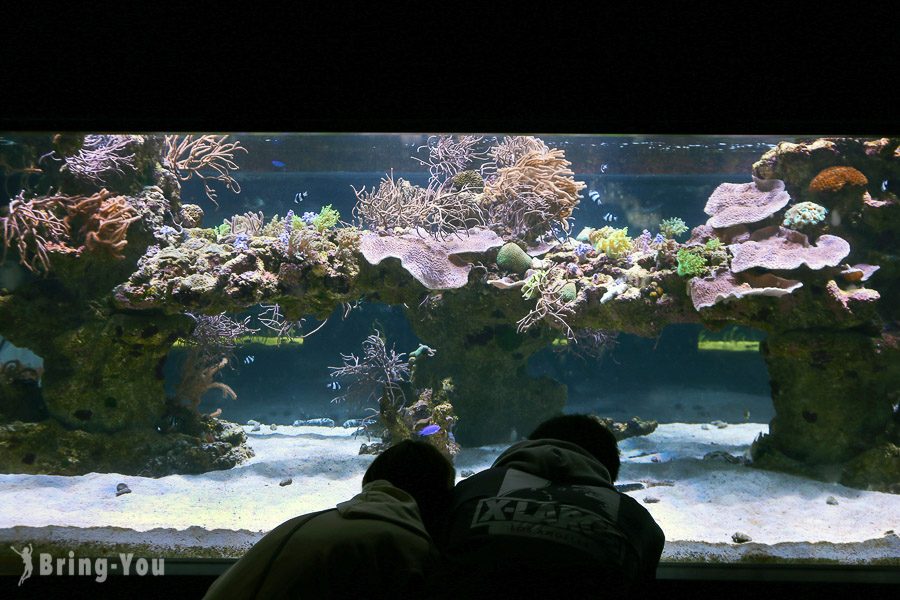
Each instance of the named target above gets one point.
<point>510,150</point>
<point>33,225</point>
<point>437,211</point>
<point>46,224</point>
<point>99,156</point>
<point>672,228</point>
<point>588,344</point>
<point>448,156</point>
<point>534,195</point>
<point>377,375</point>
<point>197,379</point>
<point>690,264</point>
<point>326,219</point>
<point>189,157</point>
<point>105,221</point>
<point>216,336</point>
<point>551,305</point>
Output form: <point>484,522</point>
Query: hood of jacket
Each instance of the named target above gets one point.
<point>556,460</point>
<point>380,500</point>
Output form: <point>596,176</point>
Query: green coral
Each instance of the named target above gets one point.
<point>690,264</point>
<point>326,219</point>
<point>568,292</point>
<point>804,214</point>
<point>672,228</point>
<point>615,243</point>
<point>513,259</point>
<point>222,230</point>
<point>713,244</point>
<point>532,286</point>
<point>470,180</point>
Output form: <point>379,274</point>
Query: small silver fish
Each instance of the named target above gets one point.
<point>884,185</point>
<point>609,217</point>
<point>594,195</point>
<point>249,359</point>
<point>603,167</point>
<point>299,196</point>
<point>334,385</point>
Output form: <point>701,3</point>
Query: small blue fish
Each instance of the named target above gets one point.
<point>430,430</point>
<point>603,167</point>
<point>299,196</point>
<point>334,385</point>
<point>609,217</point>
<point>594,195</point>
<point>884,185</point>
<point>278,164</point>
<point>249,359</point>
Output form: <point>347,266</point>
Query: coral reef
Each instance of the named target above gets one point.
<point>690,264</point>
<point>784,249</point>
<point>708,291</point>
<point>831,351</point>
<point>615,243</point>
<point>191,157</point>
<point>740,203</point>
<point>532,196</point>
<point>804,214</point>
<point>429,260</point>
<point>672,228</point>
<point>512,258</point>
<point>834,179</point>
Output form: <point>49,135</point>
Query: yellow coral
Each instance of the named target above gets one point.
<point>615,243</point>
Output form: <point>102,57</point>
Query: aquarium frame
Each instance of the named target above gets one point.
<point>667,571</point>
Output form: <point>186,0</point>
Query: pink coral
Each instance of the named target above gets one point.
<point>782,249</point>
<point>427,259</point>
<point>852,299</point>
<point>707,291</point>
<point>737,203</point>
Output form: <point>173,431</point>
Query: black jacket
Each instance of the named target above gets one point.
<point>547,510</point>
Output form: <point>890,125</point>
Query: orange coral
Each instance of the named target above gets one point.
<point>106,221</point>
<point>538,190</point>
<point>833,179</point>
<point>46,224</point>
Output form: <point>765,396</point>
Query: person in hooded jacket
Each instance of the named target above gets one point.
<point>378,544</point>
<point>545,521</point>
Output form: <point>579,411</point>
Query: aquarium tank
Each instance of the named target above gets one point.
<point>203,335</point>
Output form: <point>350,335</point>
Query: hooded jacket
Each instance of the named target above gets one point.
<point>371,546</point>
<point>548,506</point>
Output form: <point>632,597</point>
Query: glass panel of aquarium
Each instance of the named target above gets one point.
<point>205,335</point>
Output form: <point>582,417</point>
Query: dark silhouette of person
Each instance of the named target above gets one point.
<point>545,521</point>
<point>378,544</point>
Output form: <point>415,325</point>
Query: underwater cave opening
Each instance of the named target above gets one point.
<point>672,378</point>
<point>281,383</point>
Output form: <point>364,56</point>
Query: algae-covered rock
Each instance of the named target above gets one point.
<point>513,259</point>
<point>876,469</point>
<point>49,448</point>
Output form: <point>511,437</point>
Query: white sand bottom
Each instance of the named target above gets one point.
<point>222,513</point>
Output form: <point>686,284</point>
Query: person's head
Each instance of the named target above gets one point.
<point>420,470</point>
<point>587,432</point>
